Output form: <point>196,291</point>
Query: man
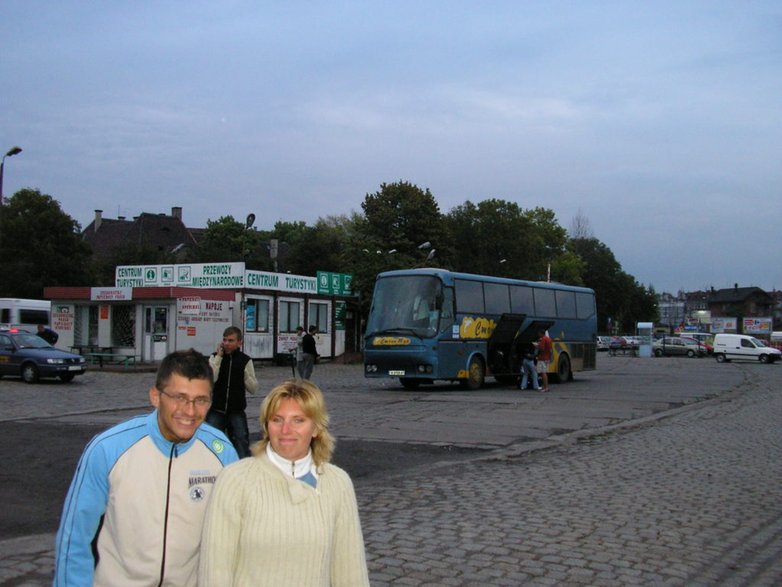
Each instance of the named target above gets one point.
<point>309,353</point>
<point>234,376</point>
<point>545,348</point>
<point>48,334</point>
<point>134,511</point>
<point>528,372</point>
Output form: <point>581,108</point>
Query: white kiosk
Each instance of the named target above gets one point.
<point>644,332</point>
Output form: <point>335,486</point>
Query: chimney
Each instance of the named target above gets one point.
<point>176,212</point>
<point>98,219</point>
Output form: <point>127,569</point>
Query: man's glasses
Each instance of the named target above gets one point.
<point>182,401</point>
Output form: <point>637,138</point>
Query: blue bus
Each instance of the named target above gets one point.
<point>432,324</point>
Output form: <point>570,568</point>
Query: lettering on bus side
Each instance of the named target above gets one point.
<point>390,341</point>
<point>476,327</point>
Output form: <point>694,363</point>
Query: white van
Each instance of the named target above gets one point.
<point>728,347</point>
<point>25,314</point>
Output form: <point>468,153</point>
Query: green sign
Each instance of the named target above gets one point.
<point>335,284</point>
<point>340,309</point>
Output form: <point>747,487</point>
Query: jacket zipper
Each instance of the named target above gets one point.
<point>228,383</point>
<point>165,519</point>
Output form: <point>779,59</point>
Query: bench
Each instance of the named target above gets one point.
<point>632,350</point>
<point>117,358</point>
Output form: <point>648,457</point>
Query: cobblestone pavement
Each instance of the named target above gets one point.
<point>693,499</point>
<point>689,496</point>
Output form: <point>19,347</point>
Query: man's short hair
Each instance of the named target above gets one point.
<point>189,364</point>
<point>313,328</point>
<point>233,330</point>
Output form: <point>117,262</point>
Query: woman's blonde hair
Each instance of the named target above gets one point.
<point>310,398</point>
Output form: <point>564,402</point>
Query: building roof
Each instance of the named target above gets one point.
<point>159,232</point>
<point>735,294</point>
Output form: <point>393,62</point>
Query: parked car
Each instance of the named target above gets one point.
<point>677,346</point>
<point>603,343</point>
<point>728,347</point>
<point>30,357</point>
<point>705,338</point>
<point>706,344</point>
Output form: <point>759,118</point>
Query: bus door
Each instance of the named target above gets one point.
<point>501,350</point>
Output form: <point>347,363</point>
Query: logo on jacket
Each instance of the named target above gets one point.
<point>218,446</point>
<point>197,494</point>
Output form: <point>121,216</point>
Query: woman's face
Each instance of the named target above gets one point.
<point>291,431</point>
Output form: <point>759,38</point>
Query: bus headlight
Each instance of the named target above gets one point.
<point>371,368</point>
<point>425,368</point>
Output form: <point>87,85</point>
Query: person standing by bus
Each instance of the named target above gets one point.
<point>528,372</point>
<point>545,348</point>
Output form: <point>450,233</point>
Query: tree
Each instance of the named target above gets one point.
<point>581,227</point>
<point>397,219</point>
<point>497,237</point>
<point>619,296</point>
<point>227,239</point>
<point>40,246</point>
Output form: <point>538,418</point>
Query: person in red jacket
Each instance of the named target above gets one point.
<point>545,348</point>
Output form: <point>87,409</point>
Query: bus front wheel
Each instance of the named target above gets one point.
<point>564,372</point>
<point>475,374</point>
<point>409,383</point>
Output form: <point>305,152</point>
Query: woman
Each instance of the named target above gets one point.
<point>286,516</point>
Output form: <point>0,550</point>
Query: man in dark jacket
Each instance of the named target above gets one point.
<point>48,334</point>
<point>309,353</point>
<point>234,376</point>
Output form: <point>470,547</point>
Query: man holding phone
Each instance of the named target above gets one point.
<point>234,376</point>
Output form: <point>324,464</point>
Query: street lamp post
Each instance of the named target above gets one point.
<point>11,152</point>
<point>245,251</point>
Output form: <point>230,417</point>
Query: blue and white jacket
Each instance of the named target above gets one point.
<point>134,511</point>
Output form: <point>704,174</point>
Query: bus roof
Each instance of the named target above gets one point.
<point>444,273</point>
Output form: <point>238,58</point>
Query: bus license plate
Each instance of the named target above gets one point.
<point>74,368</point>
<point>396,372</point>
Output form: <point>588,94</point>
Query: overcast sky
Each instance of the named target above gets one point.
<point>661,122</point>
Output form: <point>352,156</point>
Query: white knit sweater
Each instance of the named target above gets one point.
<point>265,528</point>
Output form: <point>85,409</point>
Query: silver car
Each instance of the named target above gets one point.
<point>675,346</point>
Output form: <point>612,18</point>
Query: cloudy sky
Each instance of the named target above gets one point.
<point>659,122</point>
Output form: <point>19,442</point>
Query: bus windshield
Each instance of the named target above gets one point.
<point>407,304</point>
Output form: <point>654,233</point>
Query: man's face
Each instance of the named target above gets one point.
<point>231,343</point>
<point>179,413</point>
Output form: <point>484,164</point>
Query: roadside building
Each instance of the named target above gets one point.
<point>156,309</point>
<point>745,310</point>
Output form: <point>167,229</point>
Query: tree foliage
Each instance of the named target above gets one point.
<point>397,220</point>
<point>497,237</point>
<point>620,297</point>
<point>227,239</point>
<point>40,246</point>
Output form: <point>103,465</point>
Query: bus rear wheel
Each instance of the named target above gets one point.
<point>475,374</point>
<point>564,372</point>
<point>409,383</point>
